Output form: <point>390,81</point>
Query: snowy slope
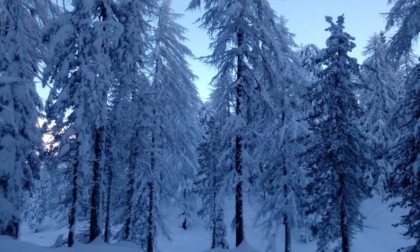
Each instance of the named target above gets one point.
<point>378,235</point>
<point>9,245</point>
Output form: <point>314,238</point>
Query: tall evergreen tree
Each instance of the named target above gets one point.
<point>171,124</point>
<point>21,22</point>
<point>128,98</point>
<point>210,178</point>
<point>335,148</point>
<point>405,178</point>
<point>380,75</point>
<point>245,36</point>
<point>281,177</point>
<point>78,67</point>
<point>404,156</point>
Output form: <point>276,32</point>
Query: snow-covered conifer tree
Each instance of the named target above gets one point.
<point>128,112</point>
<point>281,178</point>
<point>78,67</point>
<point>210,178</point>
<point>380,75</point>
<point>172,122</point>
<point>404,155</point>
<point>20,138</point>
<point>335,147</point>
<point>250,48</point>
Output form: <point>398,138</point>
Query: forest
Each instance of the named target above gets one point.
<point>305,134</point>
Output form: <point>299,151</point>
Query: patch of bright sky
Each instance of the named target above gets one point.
<point>306,19</point>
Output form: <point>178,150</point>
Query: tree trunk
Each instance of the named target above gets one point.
<point>107,232</point>
<point>150,235</point>
<point>184,224</point>
<point>72,216</point>
<point>130,192</point>
<point>150,222</point>
<point>94,230</point>
<point>239,222</point>
<point>214,221</point>
<point>345,245</point>
<point>287,235</point>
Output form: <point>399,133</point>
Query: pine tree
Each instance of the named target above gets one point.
<point>281,177</point>
<point>20,136</point>
<point>171,126</point>
<point>209,180</point>
<point>245,42</point>
<point>78,67</point>
<point>128,99</point>
<point>335,148</point>
<point>405,178</point>
<point>380,75</point>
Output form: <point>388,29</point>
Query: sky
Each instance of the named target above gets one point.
<point>306,19</point>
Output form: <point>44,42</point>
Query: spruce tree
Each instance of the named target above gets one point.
<point>210,178</point>
<point>378,101</point>
<point>335,153</point>
<point>128,110</point>
<point>21,52</point>
<point>78,67</point>
<point>247,42</point>
<point>281,178</point>
<point>404,155</point>
<point>171,124</point>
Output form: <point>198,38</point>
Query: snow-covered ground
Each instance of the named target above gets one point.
<point>378,235</point>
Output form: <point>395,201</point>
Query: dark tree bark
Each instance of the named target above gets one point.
<point>72,216</point>
<point>104,16</point>
<point>150,235</point>
<point>150,222</point>
<point>130,192</point>
<point>184,224</point>
<point>214,221</point>
<point>107,232</point>
<point>239,222</point>
<point>345,243</point>
<point>286,223</point>
<point>94,230</point>
<point>287,233</point>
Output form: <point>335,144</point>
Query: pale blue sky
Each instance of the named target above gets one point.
<point>306,19</point>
